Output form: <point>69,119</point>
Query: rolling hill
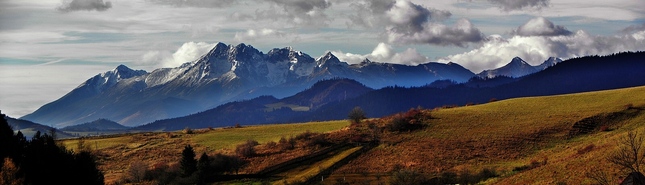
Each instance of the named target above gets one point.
<point>523,140</point>
<point>100,125</point>
<point>265,109</point>
<point>29,128</point>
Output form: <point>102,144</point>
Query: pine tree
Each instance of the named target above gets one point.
<point>188,162</point>
<point>203,167</point>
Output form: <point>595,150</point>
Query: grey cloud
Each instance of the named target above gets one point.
<point>368,13</point>
<point>295,12</point>
<point>460,34</point>
<point>377,13</point>
<point>540,26</point>
<point>509,5</point>
<point>302,6</point>
<point>409,23</point>
<point>86,5</point>
<point>634,28</point>
<point>414,24</point>
<point>196,3</point>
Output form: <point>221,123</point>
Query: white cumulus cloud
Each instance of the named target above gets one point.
<point>386,54</point>
<point>498,51</point>
<point>188,52</point>
<point>252,34</point>
<point>540,26</point>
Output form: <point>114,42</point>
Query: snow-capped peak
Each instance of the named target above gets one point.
<point>327,59</point>
<point>548,63</point>
<point>123,72</point>
<point>517,61</point>
<point>516,68</point>
<point>108,79</point>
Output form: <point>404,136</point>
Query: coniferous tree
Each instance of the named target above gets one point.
<point>188,164</point>
<point>203,168</point>
<point>42,160</point>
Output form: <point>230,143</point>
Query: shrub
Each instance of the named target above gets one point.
<point>136,172</point>
<point>408,177</point>
<point>9,173</point>
<point>187,131</point>
<point>318,140</point>
<point>271,144</point>
<point>305,135</point>
<point>161,172</point>
<point>287,144</point>
<point>411,120</point>
<point>223,163</point>
<point>486,174</point>
<point>246,149</point>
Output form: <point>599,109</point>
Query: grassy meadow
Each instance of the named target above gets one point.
<point>505,135</point>
<point>531,134</point>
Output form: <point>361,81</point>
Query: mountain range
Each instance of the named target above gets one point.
<point>229,74</point>
<point>572,76</point>
<point>226,73</point>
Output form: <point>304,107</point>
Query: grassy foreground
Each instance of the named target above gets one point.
<point>512,134</point>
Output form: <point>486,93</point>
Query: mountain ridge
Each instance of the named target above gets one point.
<point>572,76</point>
<point>517,67</point>
<point>226,73</point>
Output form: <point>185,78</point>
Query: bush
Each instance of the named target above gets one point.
<point>408,177</point>
<point>136,172</point>
<point>305,135</point>
<point>411,120</point>
<point>247,149</point>
<point>223,163</point>
<point>287,144</point>
<point>318,140</point>
<point>187,131</point>
<point>162,173</point>
<point>465,177</point>
<point>271,144</point>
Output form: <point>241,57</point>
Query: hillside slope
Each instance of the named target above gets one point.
<point>525,140</point>
<point>507,135</point>
<point>577,75</point>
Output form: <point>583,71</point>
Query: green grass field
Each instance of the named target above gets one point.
<point>229,138</point>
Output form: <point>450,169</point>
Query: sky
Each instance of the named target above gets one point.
<point>49,47</point>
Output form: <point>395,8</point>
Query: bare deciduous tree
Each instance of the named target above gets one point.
<point>137,171</point>
<point>600,176</point>
<point>631,154</point>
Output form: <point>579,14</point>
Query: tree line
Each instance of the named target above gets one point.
<point>42,160</point>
